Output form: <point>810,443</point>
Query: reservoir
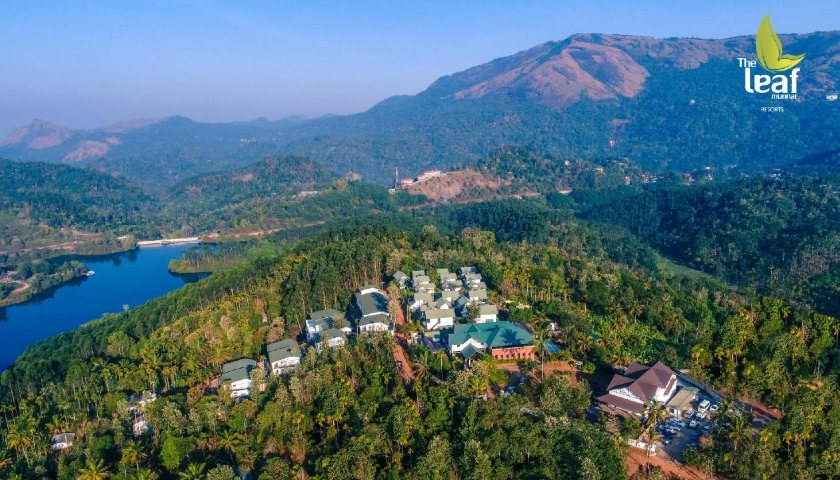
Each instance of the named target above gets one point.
<point>127,279</point>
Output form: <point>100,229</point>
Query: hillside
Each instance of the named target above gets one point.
<point>348,413</point>
<point>668,104</point>
<point>44,206</point>
<point>272,177</point>
<point>778,235</point>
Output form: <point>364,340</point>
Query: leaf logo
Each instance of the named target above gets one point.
<point>768,47</point>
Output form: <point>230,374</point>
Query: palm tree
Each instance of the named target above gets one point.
<point>441,357</point>
<point>739,429</point>
<point>478,385</point>
<point>228,442</point>
<point>19,441</point>
<point>145,474</point>
<point>656,413</point>
<point>132,454</point>
<point>539,339</point>
<point>194,471</point>
<point>94,470</point>
<point>421,368</point>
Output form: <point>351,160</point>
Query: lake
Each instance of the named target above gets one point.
<point>128,278</point>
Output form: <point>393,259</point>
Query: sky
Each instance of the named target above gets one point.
<point>86,64</point>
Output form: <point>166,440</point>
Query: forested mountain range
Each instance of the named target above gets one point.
<point>669,104</point>
<point>779,235</point>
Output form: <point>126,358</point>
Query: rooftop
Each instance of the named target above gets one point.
<point>238,369</point>
<point>283,349</point>
<point>493,334</point>
<point>371,303</point>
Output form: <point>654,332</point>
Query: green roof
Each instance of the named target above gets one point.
<point>491,334</point>
<point>282,349</point>
<point>238,369</point>
<point>469,351</point>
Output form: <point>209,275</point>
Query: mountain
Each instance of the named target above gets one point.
<point>664,104</point>
<point>155,153</point>
<point>667,104</point>
<point>38,135</point>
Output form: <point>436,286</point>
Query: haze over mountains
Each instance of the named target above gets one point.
<point>668,103</point>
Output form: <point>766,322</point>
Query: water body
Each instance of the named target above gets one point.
<point>129,278</point>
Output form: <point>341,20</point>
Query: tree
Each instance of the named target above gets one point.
<point>224,472</point>
<point>540,337</point>
<point>656,412</point>
<point>194,471</point>
<point>436,464</point>
<point>93,470</point>
<point>173,452</point>
<point>477,465</point>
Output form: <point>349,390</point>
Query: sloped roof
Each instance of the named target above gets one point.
<point>371,303</point>
<point>324,314</point>
<point>469,351</point>
<point>622,403</point>
<point>283,349</point>
<point>417,273</point>
<point>424,297</point>
<point>683,397</point>
<point>477,294</point>
<point>491,334</point>
<point>488,310</point>
<point>375,318</point>
<point>238,369</point>
<point>333,333</point>
<point>399,276</point>
<point>643,380</point>
<point>436,313</point>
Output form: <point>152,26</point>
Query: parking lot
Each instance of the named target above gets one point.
<point>679,434</point>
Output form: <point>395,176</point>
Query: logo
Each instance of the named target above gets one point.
<point>772,58</point>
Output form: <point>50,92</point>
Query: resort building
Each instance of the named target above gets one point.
<point>283,356</point>
<point>502,340</point>
<point>633,390</point>
<point>238,373</point>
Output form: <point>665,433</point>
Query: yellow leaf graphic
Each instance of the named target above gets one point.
<point>768,47</point>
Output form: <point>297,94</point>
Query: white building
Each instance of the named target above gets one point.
<point>638,386</point>
<point>283,356</point>
<point>238,373</point>
<point>438,318</point>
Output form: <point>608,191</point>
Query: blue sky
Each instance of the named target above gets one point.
<point>87,64</point>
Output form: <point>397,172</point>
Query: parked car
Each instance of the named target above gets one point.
<point>714,408</point>
<point>688,413</point>
<point>693,424</point>
<point>704,405</point>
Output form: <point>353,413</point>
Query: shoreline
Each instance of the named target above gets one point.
<point>167,241</point>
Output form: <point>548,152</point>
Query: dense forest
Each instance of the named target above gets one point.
<point>348,414</point>
<point>777,234</point>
